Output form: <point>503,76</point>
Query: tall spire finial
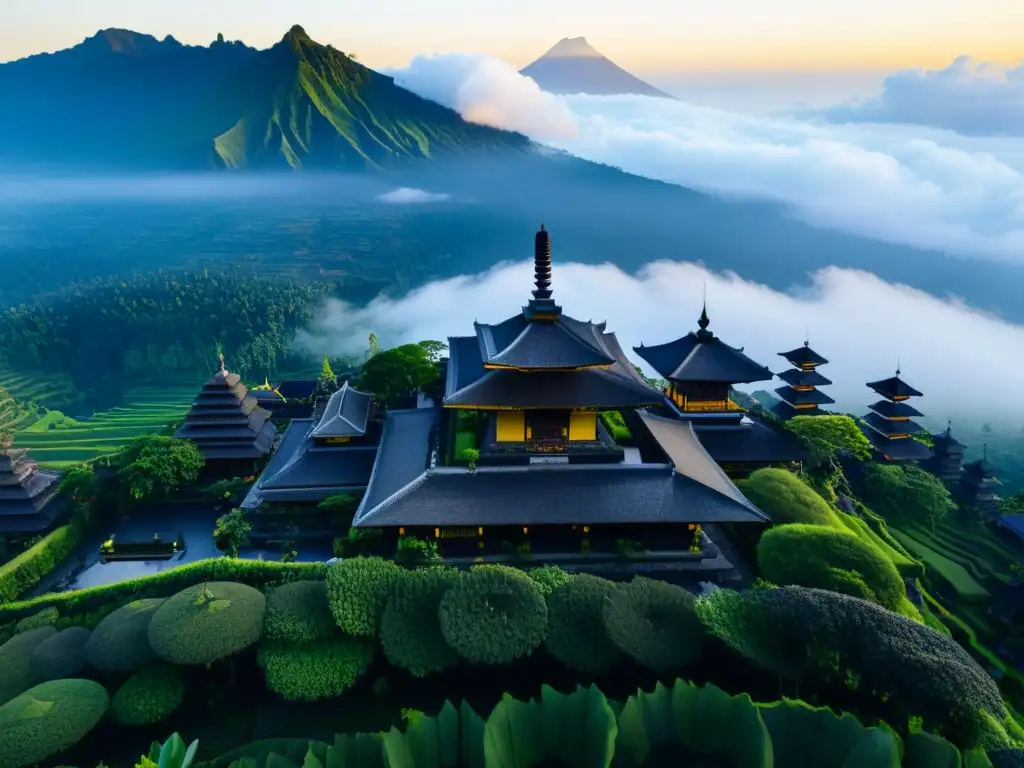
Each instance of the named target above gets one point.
<point>949,427</point>
<point>898,365</point>
<point>807,336</point>
<point>542,305</point>
<point>704,321</point>
<point>220,357</point>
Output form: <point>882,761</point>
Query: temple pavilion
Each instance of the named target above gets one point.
<point>889,425</point>
<point>525,394</point>
<point>701,370</point>
<point>228,425</point>
<point>947,461</point>
<point>801,396</point>
<point>27,503</point>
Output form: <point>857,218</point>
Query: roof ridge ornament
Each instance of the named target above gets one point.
<point>704,321</point>
<point>542,306</point>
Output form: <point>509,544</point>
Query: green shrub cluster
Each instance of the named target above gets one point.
<point>548,577</point>
<point>298,612</point>
<point>410,628</point>
<point>16,661</point>
<point>207,622</point>
<point>785,498</point>
<point>493,615</point>
<point>120,642</point>
<point>148,696</point>
<point>44,618</point>
<point>49,718</point>
<point>577,634</point>
<point>826,558</point>
<point>317,670</point>
<point>655,623</point>
<point>255,573</point>
<point>60,655</point>
<point>26,570</point>
<point>358,590</point>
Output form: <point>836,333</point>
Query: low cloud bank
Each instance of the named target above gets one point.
<point>408,195</point>
<point>862,324</point>
<point>913,185</point>
<point>968,96</point>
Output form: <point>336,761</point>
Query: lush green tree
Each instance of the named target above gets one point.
<point>410,628</point>
<point>318,670</point>
<point>120,642</point>
<point>655,623</point>
<point>340,508</point>
<point>232,532</point>
<point>577,633</point>
<point>357,591</point>
<point>827,558</point>
<point>148,696</point>
<point>155,466</point>
<point>413,551</point>
<point>326,382</point>
<point>393,375</point>
<point>494,614</point>
<point>81,485</point>
<point>207,622</point>
<point>830,438</point>
<point>785,498</point>
<point>298,612</point>
<point>435,350</point>
<point>907,494</point>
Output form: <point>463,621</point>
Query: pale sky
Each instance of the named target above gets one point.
<point>645,36</point>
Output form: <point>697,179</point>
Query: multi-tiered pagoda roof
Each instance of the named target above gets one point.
<point>889,424</point>
<point>26,492</point>
<point>801,396</point>
<point>226,423</point>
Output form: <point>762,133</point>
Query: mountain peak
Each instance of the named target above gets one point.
<point>573,48</point>
<point>123,41</point>
<point>297,34</point>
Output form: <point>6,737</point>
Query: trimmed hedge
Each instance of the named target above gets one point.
<point>16,662</point>
<point>27,569</point>
<point>255,573</point>
<point>60,655</point>
<point>45,618</point>
<point>655,623</point>
<point>207,622</point>
<point>298,612</point>
<point>148,696</point>
<point>785,498</point>
<point>410,628</point>
<point>358,589</point>
<point>120,642</point>
<point>318,670</point>
<point>577,635</point>
<point>49,718</point>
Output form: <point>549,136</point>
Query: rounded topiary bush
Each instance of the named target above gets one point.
<point>298,612</point>
<point>655,623</point>
<point>60,655</point>
<point>785,498</point>
<point>44,618</point>
<point>357,591</point>
<point>823,558</point>
<point>207,622</point>
<point>16,661</point>
<point>577,635</point>
<point>49,718</point>
<point>410,629</point>
<point>318,670</point>
<point>148,696</point>
<point>548,577</point>
<point>494,614</point>
<point>120,642</point>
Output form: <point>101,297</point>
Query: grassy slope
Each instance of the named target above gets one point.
<point>301,104</point>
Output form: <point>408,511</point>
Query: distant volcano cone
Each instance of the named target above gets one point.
<point>574,66</point>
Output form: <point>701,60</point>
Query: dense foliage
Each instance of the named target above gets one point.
<point>493,615</point>
<point>49,718</point>
<point>906,494</point>
<point>317,670</point>
<point>148,696</point>
<point>60,655</point>
<point>298,612</point>
<point>549,577</point>
<point>577,635</point>
<point>395,373</point>
<point>231,532</point>
<point>44,618</point>
<point>163,322</point>
<point>155,466</point>
<point>207,622</point>
<point>655,623</point>
<point>357,590</point>
<point>826,558</point>
<point>25,570</point>
<point>830,438</point>
<point>410,628</point>
<point>785,498</point>
<point>16,661</point>
<point>120,642</point>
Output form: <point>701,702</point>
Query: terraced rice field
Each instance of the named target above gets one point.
<point>936,558</point>
<point>58,443</point>
<point>53,392</point>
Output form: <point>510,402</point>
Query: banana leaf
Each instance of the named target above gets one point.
<point>706,720</point>
<point>926,750</point>
<point>244,762</point>
<point>275,760</point>
<point>293,749</point>
<point>453,739</point>
<point>358,750</point>
<point>805,735</point>
<point>578,729</point>
<point>173,753</point>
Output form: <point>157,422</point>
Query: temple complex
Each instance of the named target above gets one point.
<point>701,370</point>
<point>889,424</point>
<point>320,457</point>
<point>517,455</point>
<point>27,503</point>
<point>977,491</point>
<point>801,396</point>
<point>947,459</point>
<point>226,423</point>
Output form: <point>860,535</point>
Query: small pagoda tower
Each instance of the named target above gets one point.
<point>948,460</point>
<point>26,492</point>
<point>801,396</point>
<point>889,426</point>
<point>978,483</point>
<point>226,423</point>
